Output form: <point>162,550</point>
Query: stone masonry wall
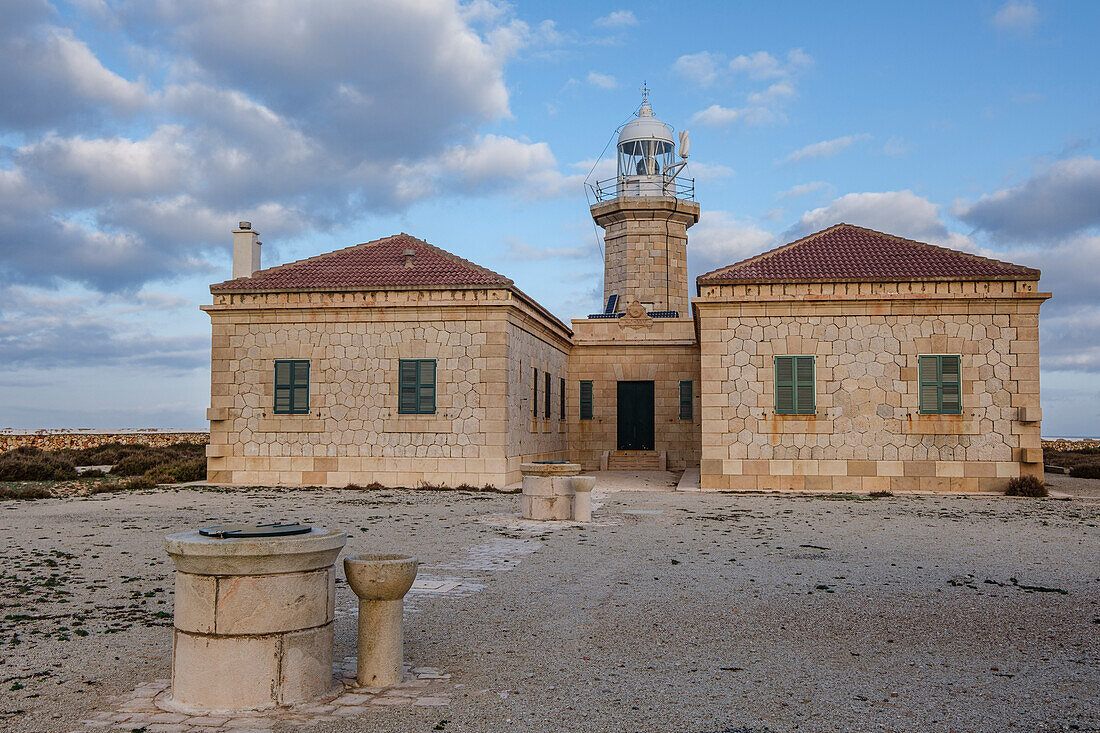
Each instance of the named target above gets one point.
<point>867,432</point>
<point>353,432</point>
<point>53,440</point>
<point>645,250</point>
<point>604,352</point>
<point>533,438</point>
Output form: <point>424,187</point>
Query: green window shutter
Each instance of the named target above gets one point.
<point>535,392</point>
<point>794,385</point>
<point>685,399</point>
<point>804,401</point>
<point>546,398</point>
<point>426,387</point>
<point>940,378</point>
<point>949,385</point>
<point>784,385</point>
<point>586,400</point>
<point>407,390</point>
<point>561,398</point>
<point>291,387</point>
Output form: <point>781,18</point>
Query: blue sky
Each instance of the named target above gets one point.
<point>136,134</point>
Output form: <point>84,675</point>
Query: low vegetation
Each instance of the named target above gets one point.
<point>1081,462</point>
<point>1030,486</point>
<point>31,473</point>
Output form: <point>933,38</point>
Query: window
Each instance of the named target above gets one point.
<point>939,385</point>
<point>685,399</point>
<point>586,400</point>
<point>546,398</point>
<point>535,394</point>
<point>416,387</point>
<point>291,386</point>
<point>561,399</point>
<point>794,385</point>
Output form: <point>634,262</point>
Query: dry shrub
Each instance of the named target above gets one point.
<point>1092,471</point>
<point>25,492</point>
<point>174,463</point>
<point>1030,486</point>
<point>27,463</point>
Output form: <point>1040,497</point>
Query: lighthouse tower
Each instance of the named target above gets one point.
<point>645,213</point>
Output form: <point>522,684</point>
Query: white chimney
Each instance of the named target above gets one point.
<point>246,250</point>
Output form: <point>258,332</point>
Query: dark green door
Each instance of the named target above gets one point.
<point>635,415</point>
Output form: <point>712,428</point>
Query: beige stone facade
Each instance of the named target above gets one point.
<point>353,433</point>
<point>503,364</point>
<point>662,351</point>
<point>645,250</point>
<point>867,432</point>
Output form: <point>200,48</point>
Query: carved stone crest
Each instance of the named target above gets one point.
<point>636,317</point>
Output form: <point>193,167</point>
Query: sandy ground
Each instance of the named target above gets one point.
<point>707,613</point>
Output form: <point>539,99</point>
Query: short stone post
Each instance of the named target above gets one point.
<point>381,582</point>
<point>582,498</point>
<point>548,490</point>
<point>253,620</point>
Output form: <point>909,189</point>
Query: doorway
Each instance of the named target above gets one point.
<point>635,415</point>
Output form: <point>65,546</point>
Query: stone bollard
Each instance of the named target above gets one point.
<point>547,490</point>
<point>582,498</point>
<point>253,620</point>
<point>381,582</point>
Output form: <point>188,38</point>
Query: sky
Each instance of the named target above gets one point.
<point>135,134</point>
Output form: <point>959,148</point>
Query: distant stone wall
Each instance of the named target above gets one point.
<point>55,440</point>
<point>1071,443</point>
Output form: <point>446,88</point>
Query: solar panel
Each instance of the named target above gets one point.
<point>612,300</point>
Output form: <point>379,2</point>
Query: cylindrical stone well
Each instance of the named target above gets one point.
<point>253,620</point>
<point>547,490</point>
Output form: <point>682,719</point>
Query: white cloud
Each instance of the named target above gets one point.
<point>603,81</point>
<point>1016,16</point>
<point>718,116</point>
<point>720,239</point>
<point>701,68</point>
<point>902,213</point>
<point>762,65</point>
<point>617,19</point>
<point>896,147</point>
<point>802,189</point>
<point>1057,201</point>
<point>761,106</point>
<point>825,148</point>
<point>517,249</point>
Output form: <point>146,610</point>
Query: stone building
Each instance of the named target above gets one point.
<point>847,360</point>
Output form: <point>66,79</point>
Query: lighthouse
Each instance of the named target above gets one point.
<point>645,212</point>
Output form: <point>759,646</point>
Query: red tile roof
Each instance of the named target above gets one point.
<point>847,253</point>
<point>374,265</point>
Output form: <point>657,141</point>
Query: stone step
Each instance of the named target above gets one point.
<point>634,460</point>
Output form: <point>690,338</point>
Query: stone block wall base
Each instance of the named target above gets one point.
<point>237,673</point>
<point>546,508</point>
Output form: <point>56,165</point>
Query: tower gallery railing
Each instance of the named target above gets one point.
<point>611,188</point>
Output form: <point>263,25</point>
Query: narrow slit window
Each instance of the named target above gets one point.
<point>291,386</point>
<point>940,384</point>
<point>586,400</point>
<point>794,385</point>
<point>535,393</point>
<point>686,412</point>
<point>561,399</point>
<point>546,398</point>
<point>416,387</point>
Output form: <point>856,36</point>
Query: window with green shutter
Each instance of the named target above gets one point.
<point>794,385</point>
<point>546,398</point>
<point>561,398</point>
<point>685,399</point>
<point>940,377</point>
<point>416,387</point>
<point>586,400</point>
<point>291,386</point>
<point>535,392</point>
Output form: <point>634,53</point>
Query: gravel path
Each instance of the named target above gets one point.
<point>705,613</point>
